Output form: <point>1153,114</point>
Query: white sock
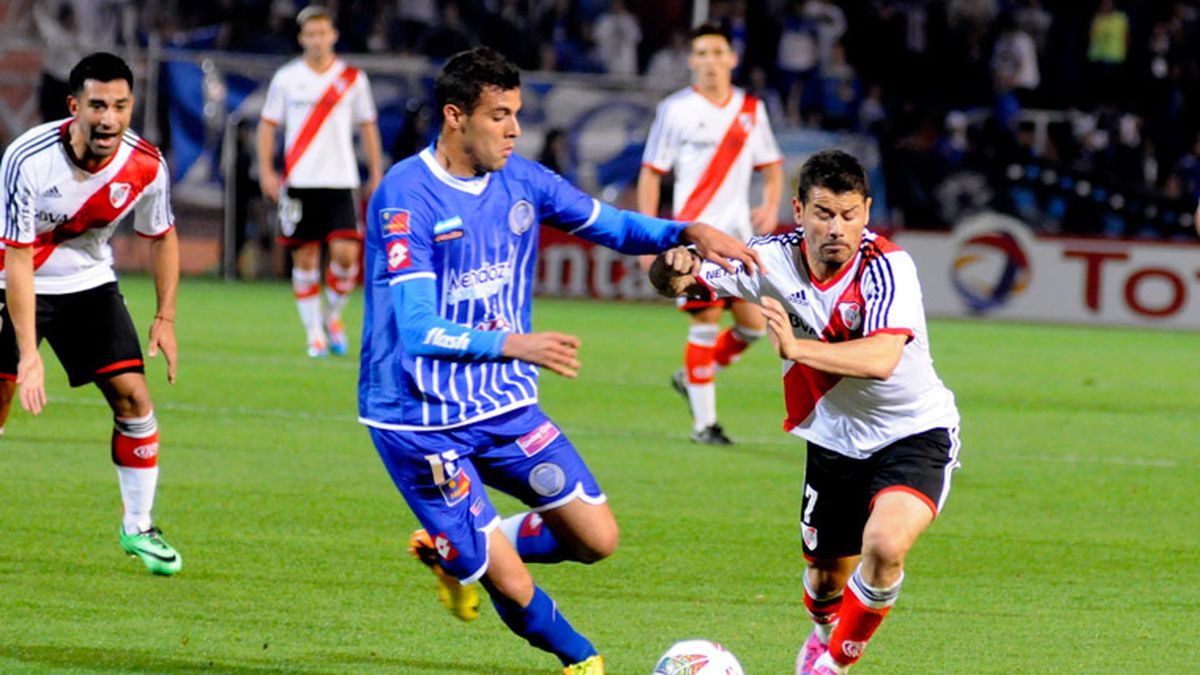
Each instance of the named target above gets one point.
<point>137,494</point>
<point>703,398</point>
<point>511,526</point>
<point>307,287</point>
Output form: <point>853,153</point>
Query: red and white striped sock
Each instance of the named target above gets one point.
<point>306,284</point>
<point>135,454</point>
<point>863,609</point>
<point>339,284</point>
<point>699,358</point>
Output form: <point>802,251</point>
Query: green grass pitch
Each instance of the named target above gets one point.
<point>1069,544</point>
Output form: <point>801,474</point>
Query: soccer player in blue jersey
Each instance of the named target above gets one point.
<point>449,372</point>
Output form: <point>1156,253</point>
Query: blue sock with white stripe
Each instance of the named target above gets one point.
<point>532,539</point>
<point>542,626</point>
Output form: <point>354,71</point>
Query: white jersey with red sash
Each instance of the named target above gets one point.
<point>319,112</point>
<point>68,214</point>
<point>713,151</point>
<point>878,292</point>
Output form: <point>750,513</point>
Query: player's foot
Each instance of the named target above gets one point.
<point>317,347</point>
<point>338,344</point>
<point>679,384</point>
<point>592,666</point>
<point>149,545</point>
<point>809,653</point>
<point>711,435</point>
<point>462,601</point>
<point>825,665</point>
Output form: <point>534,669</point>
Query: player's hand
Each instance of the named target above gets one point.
<point>162,336</point>
<point>779,327</point>
<point>31,378</point>
<point>681,261</point>
<point>556,351</point>
<point>268,182</point>
<point>763,219</point>
<point>713,244</point>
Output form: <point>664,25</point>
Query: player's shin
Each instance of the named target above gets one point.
<point>541,624</point>
<point>306,285</point>
<point>822,609</point>
<point>732,342</point>
<point>135,454</point>
<point>339,284</point>
<point>863,609</point>
<point>533,540</point>
<point>699,359</point>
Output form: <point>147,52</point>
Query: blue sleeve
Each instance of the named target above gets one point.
<point>424,333</point>
<point>567,208</point>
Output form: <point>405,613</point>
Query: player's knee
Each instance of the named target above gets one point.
<point>514,584</point>
<point>885,548</point>
<point>599,544</point>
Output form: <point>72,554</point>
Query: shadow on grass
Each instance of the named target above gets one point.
<point>103,660</point>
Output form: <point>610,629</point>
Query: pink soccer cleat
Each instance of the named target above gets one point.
<point>807,657</point>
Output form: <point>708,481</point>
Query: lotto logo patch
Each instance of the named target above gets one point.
<point>535,441</point>
<point>531,526</point>
<point>395,221</point>
<point>397,255</point>
<point>444,548</point>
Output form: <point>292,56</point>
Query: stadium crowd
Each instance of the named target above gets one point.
<point>1076,116</point>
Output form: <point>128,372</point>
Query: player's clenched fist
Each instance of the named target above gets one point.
<point>556,351</point>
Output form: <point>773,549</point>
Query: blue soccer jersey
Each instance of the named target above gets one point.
<point>450,265</point>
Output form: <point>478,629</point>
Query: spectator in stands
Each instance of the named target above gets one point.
<point>797,59</point>
<point>1015,61</point>
<point>617,34</point>
<point>668,68</point>
<point>447,37</point>
<point>838,93</point>
<point>830,22</point>
<point>1108,46</point>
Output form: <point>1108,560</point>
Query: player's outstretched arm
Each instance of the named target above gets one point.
<point>164,259</point>
<point>873,357</point>
<point>556,351</point>
<point>674,271</point>
<point>22,308</point>
<point>718,247</point>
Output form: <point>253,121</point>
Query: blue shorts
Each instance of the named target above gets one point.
<point>442,473</point>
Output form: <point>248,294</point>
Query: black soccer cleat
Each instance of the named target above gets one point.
<point>679,384</point>
<point>711,435</point>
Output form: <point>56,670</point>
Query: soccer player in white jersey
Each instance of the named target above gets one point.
<point>843,307</point>
<point>65,187</point>
<point>319,100</point>
<point>713,136</point>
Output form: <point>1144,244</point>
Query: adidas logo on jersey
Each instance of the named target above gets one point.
<point>52,193</point>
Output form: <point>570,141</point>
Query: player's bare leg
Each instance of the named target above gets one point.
<point>896,521</point>
<point>530,613</point>
<point>339,284</point>
<point>8,389</point>
<point>306,284</point>
<point>135,454</point>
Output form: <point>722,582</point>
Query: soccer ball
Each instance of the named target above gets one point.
<point>697,657</point>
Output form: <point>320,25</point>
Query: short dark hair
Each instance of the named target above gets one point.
<point>466,74</point>
<point>834,170</point>
<point>101,67</point>
<point>711,28</point>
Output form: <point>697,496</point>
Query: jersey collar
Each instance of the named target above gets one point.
<point>473,186</point>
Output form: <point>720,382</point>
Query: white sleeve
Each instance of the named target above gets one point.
<point>763,148</point>
<point>274,108</point>
<point>20,211</point>
<point>363,103</point>
<point>660,143</point>
<point>152,215</point>
<point>723,284</point>
<point>892,295</point>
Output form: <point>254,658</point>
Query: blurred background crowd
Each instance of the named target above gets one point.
<point>1077,116</point>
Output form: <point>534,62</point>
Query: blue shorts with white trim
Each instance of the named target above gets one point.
<point>442,473</point>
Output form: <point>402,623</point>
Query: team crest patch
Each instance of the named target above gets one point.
<point>809,534</point>
<point>547,479</point>
<point>747,121</point>
<point>395,222</point>
<point>535,441</point>
<point>118,194</point>
<point>851,314</point>
<point>397,255</point>
<point>520,217</point>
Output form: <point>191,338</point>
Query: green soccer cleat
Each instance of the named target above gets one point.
<point>159,556</point>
